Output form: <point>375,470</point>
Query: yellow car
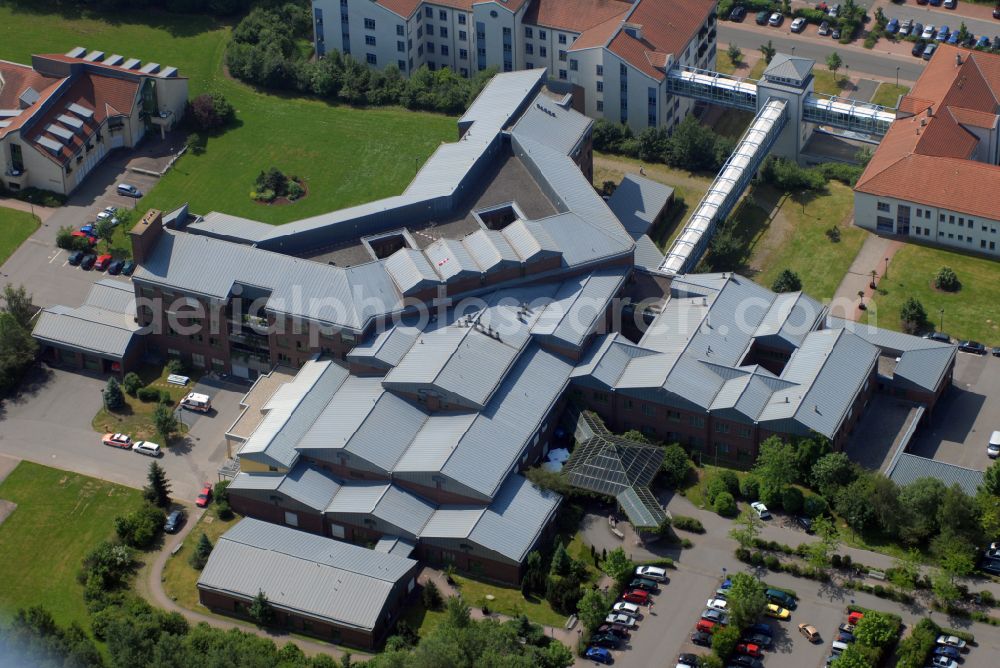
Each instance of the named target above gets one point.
<point>777,611</point>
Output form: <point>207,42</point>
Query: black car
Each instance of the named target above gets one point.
<point>88,261</point>
<point>605,640</point>
<point>991,566</point>
<point>128,267</point>
<point>615,629</point>
<point>644,584</point>
<point>940,337</point>
<point>688,660</point>
<point>76,257</point>
<point>761,628</point>
<point>995,351</point>
<point>805,523</point>
<point>744,661</point>
<point>701,638</point>
<point>845,637</point>
<point>738,14</point>
<point>758,639</point>
<point>918,48</point>
<point>115,267</point>
<point>972,347</point>
<point>945,650</point>
<point>174,521</point>
<point>762,17</point>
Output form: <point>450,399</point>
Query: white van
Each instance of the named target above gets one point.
<point>201,403</point>
<point>147,448</point>
<point>837,647</point>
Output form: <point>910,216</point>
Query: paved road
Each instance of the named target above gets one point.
<point>49,423</point>
<point>749,36</point>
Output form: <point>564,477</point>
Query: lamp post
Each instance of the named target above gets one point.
<point>873,285</point>
<point>941,310</point>
<point>897,76</point>
<point>886,274</point>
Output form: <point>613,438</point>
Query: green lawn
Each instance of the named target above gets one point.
<point>825,83</point>
<point>970,313</point>
<point>60,516</point>
<point>179,577</point>
<point>508,601</point>
<point>15,227</point>
<point>888,94</point>
<point>803,246</point>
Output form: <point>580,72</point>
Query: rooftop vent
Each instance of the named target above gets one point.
<point>958,60</point>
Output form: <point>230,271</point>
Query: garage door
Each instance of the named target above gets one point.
<point>240,371</point>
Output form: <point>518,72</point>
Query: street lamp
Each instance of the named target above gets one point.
<point>897,76</point>
<point>886,274</point>
<point>873,285</point>
<point>941,310</point>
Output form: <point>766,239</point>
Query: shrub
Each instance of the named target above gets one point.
<point>947,280</point>
<point>792,499</point>
<point>295,191</point>
<point>725,505</point>
<point>787,281</point>
<point>223,510</point>
<point>691,524</point>
<point>676,466</point>
<point>833,234</point>
<point>175,366</point>
<point>431,596</point>
<point>200,553</point>
<point>132,383</point>
<point>814,505</point>
<point>148,394</point>
<point>210,111</point>
<point>750,487</point>
<point>140,528</point>
<point>912,315</point>
<point>835,561</point>
<point>772,562</point>
<point>840,171</point>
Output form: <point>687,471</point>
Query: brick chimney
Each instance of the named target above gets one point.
<point>145,234</point>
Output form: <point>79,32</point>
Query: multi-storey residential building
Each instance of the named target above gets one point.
<point>60,116</point>
<point>935,175</point>
<point>614,53</point>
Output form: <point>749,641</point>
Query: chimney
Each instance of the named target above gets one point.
<point>958,60</point>
<point>145,234</point>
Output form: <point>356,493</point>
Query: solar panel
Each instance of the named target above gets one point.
<point>82,112</point>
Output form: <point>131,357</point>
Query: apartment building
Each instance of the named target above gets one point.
<point>934,176</point>
<point>613,53</point>
<point>61,115</point>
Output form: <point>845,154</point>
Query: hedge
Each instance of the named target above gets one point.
<point>35,196</point>
<point>691,524</point>
<point>664,562</point>
<point>863,610</point>
<point>153,394</point>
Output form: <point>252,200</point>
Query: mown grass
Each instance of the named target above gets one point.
<point>179,577</point>
<point>888,94</point>
<point>15,227</point>
<point>508,601</point>
<point>60,517</point>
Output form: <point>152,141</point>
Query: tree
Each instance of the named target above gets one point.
<point>724,641</point>
<point>692,146</point>
<point>958,517</point>
<point>963,32</point>
<point>165,422</point>
<point>619,567</point>
<point>459,616</point>
<point>956,561</point>
<point>17,350</point>
<point>787,281</point>
<point>725,505</point>
<point>141,527</point>
<point>676,466</point>
<point>592,608</point>
<point>855,656</point>
<point>834,62</point>
<point>209,111</point>
<point>912,315</point>
<point>260,609</point>
<point>534,574</point>
<point>808,451</point>
<point>768,51</point>
<point>829,538</point>
<point>792,499</point>
<point>17,302</point>
<point>104,229</point>
<point>561,562</point>
<point>946,279</point>
<point>158,489</point>
<point>745,600</point>
<point>202,550</point>
<point>854,505</point>
<point>906,569</point>
<point>885,503</point>
<point>748,528</point>
<point>776,463</point>
<point>735,54</point>
<point>113,397</point>
<point>132,383</point>
<point>431,596</point>
<point>920,501</point>
<point>635,435</point>
<point>832,472</point>
<point>991,479</point>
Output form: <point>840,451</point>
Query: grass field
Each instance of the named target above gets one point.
<point>888,94</point>
<point>801,243</point>
<point>346,156</point>
<point>15,227</point>
<point>136,419</point>
<point>970,313</point>
<point>824,82</point>
<point>179,578</point>
<point>60,517</point>
<point>508,601</point>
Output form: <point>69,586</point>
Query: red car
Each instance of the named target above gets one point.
<point>83,235</point>
<point>117,440</point>
<point>637,596</point>
<point>855,617</point>
<point>204,496</point>
<point>750,650</point>
<point>704,626</point>
<point>103,261</point>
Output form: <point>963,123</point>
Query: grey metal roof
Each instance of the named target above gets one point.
<point>360,496</point>
<point>395,545</point>
<point>909,468</point>
<point>309,486</point>
<point>605,361</point>
<point>404,510</point>
<point>385,348</point>
<point>579,305</point>
<point>435,441</point>
<point>647,255</point>
<point>529,241</point>
<point>452,522</point>
<point>791,316</point>
<point>230,228</point>
<point>104,324</point>
<point>491,250</point>
<point>547,122</point>
<point>451,259</point>
<point>306,573</point>
<point>410,270</point>
<point>789,67</point>
<point>515,519</point>
<point>637,201</point>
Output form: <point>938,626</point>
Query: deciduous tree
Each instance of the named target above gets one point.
<point>745,600</point>
<point>592,608</point>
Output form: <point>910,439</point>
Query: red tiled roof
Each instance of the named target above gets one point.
<point>574,15</point>
<point>106,96</point>
<point>17,78</point>
<point>925,156</point>
<point>61,58</point>
<point>406,8</point>
<point>667,27</point>
<point>600,34</point>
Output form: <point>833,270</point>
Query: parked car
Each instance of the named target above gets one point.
<point>762,17</point>
<point>200,403</point>
<point>921,2</point>
<point>942,33</point>
<point>616,629</point>
<point>128,267</point>
<point>761,510</point>
<point>103,261</point>
<point>844,636</point>
<point>982,43</point>
<point>996,11</point>
<point>598,654</point>
<point>929,51</point>
<point>798,25</point>
<point>855,617</point>
<point>952,38</point>
<point>905,27</point>
<point>744,661</point>
<point>637,596</point>
<point>687,660</point>
<point>607,640</point>
<point>761,628</point>
<point>810,633</point>
<point>835,34</point>
<point>940,337</point>
<point>174,521</point>
<point>642,583</point>
<point>972,347</point>
<point>106,215</point>
<point>129,190</point>
<point>782,598</point>
<point>115,267</point>
<point>917,29</point>
<point>705,626</point>
<point>805,523</point>
<point>824,29</point>
<point>147,448</point>
<point>943,662</point>
<point>950,4</point>
<point>837,647</point>
<point>834,11</point>
<point>75,257</point>
<point>929,31</point>
<point>80,234</point>
<point>88,261</point>
<point>722,593</point>
<point>88,230</point>
<point>993,447</point>
<point>948,651</point>
<point>935,3</point>
<point>117,440</point>
<point>626,607</point>
<point>738,14</point>
<point>776,611</point>
<point>849,628</point>
<point>776,19</point>
<point>716,604</point>
<point>758,639</point>
<point>892,27</point>
<point>702,638</point>
<point>205,495</point>
<point>652,573</point>
<point>628,621</point>
<point>715,616</point>
<point>991,566</point>
<point>749,649</point>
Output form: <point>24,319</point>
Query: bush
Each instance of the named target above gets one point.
<point>140,528</point>
<point>772,562</point>
<point>814,505</point>
<point>725,505</point>
<point>175,366</point>
<point>840,171</point>
<point>431,596</point>
<point>750,487</point>
<point>210,111</point>
<point>788,176</point>
<point>66,240</point>
<point>913,316</point>
<point>199,555</point>
<point>295,191</point>
<point>792,499</point>
<point>35,196</point>
<point>223,510</point>
<point>724,641</point>
<point>691,524</point>
<point>132,383</point>
<point>946,279</point>
<point>150,394</point>
<point>787,281</point>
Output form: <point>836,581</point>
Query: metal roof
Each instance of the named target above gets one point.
<point>359,496</point>
<point>104,324</point>
<point>785,66</point>
<point>637,201</point>
<point>910,468</point>
<point>452,522</point>
<point>386,348</point>
<point>579,305</point>
<point>647,255</point>
<point>491,250</point>
<point>309,486</point>
<point>410,270</point>
<point>395,545</point>
<point>451,259</point>
<point>302,572</point>
<point>230,228</point>
<point>515,519</point>
<point>547,122</point>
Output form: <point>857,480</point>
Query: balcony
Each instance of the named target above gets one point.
<point>16,179</point>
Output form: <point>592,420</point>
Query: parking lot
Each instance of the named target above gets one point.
<point>965,416</point>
